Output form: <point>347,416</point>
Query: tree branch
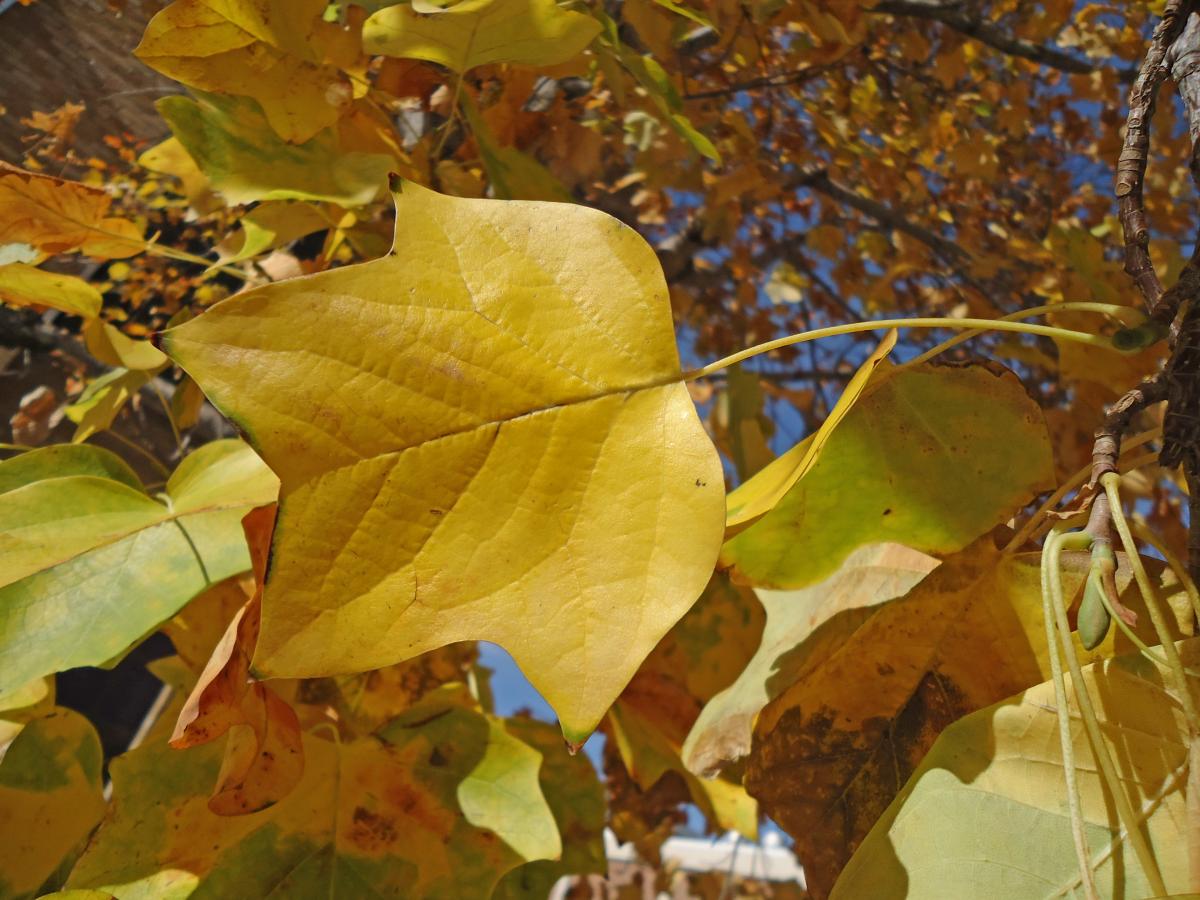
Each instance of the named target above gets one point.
<point>952,15</point>
<point>818,179</point>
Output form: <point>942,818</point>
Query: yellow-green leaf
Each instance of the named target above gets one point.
<point>440,804</point>
<point>246,161</point>
<point>482,435</point>
<point>763,493</point>
<point>576,798</point>
<point>931,457</point>
<point>50,800</point>
<point>472,33</point>
<point>24,285</point>
<point>102,401</point>
<point>274,224</point>
<point>985,815</point>
<point>93,564</point>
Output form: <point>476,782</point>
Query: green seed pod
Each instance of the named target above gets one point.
<point>1094,620</point>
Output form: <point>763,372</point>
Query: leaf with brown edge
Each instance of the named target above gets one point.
<point>264,756</point>
<point>986,815</point>
<point>51,215</point>
<point>867,694</point>
<point>478,439</point>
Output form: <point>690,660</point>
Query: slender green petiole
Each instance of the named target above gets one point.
<point>976,325</point>
<point>1082,853</point>
<point>1104,761</point>
<point>1142,533</point>
<point>1111,483</point>
<point>1110,309</point>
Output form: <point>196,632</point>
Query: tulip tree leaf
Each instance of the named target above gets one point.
<point>441,804</point>
<point>482,435</point>
<point>473,33</point>
<point>50,799</point>
<point>77,548</point>
<point>985,815</point>
<point>932,457</point>
<point>859,701</point>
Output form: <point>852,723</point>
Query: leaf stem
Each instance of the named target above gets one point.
<point>1144,534</point>
<point>1083,854</point>
<point>149,457</point>
<point>1035,523</point>
<point>1110,309</point>
<point>1112,487</point>
<point>1104,762</point>
<point>975,325</point>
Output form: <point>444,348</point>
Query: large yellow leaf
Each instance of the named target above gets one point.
<point>482,435</point>
<point>473,33</point>
<point>276,51</point>
<point>50,215</point>
<point>867,687</point>
<point>985,816</point>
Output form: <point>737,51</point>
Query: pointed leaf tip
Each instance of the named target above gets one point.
<point>395,182</point>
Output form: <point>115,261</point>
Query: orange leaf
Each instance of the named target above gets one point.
<point>264,756</point>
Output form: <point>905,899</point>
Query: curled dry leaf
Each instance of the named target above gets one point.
<point>264,758</point>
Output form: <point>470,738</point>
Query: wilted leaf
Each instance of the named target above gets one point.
<point>468,33</point>
<point>50,799</point>
<point>72,544</point>
<point>56,216</point>
<point>802,628</point>
<point>264,757</point>
<point>24,285</point>
<point>196,629</point>
<point>246,161</point>
<point>650,750</point>
<point>576,798</point>
<point>272,50</point>
<point>469,432</point>
<point>932,457</point>
<point>986,813</point>
<point>767,490</point>
<point>441,803</point>
<point>867,694</point>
